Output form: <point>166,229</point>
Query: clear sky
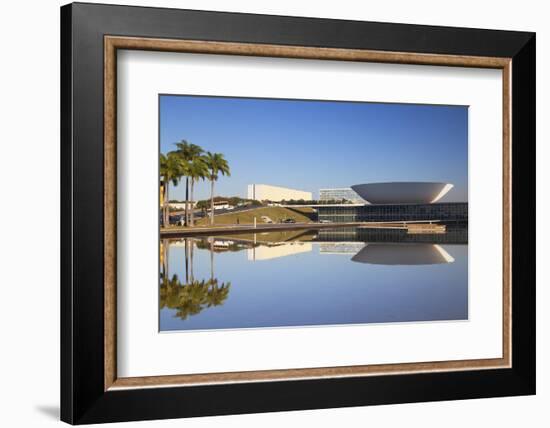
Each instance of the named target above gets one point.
<point>308,145</point>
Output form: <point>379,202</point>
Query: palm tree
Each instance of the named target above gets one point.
<point>171,170</point>
<point>217,164</point>
<point>188,153</point>
<point>198,170</point>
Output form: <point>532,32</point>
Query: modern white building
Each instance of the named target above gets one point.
<point>409,192</point>
<point>222,205</point>
<point>340,194</point>
<point>181,205</point>
<point>265,192</point>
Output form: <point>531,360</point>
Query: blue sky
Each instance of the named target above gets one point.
<point>309,145</point>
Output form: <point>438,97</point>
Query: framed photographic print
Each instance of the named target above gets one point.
<point>265,213</point>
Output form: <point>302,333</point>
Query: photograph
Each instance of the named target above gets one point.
<point>267,212</point>
<point>301,213</point>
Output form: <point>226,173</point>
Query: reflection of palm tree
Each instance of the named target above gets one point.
<point>186,240</point>
<point>164,254</point>
<point>191,298</point>
<point>217,295</point>
<point>192,251</point>
<point>211,258</point>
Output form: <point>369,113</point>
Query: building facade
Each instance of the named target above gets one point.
<point>456,233</point>
<point>340,194</point>
<point>265,192</point>
<point>448,212</point>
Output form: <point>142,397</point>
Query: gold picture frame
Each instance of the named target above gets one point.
<point>114,43</point>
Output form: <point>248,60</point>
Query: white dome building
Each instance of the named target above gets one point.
<point>409,192</point>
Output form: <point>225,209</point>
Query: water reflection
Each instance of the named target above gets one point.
<point>191,296</point>
<point>403,254</point>
<point>268,252</point>
<point>300,278</point>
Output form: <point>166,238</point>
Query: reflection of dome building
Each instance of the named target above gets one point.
<point>402,192</point>
<point>403,254</point>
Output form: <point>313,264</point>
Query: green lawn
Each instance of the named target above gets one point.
<point>301,215</point>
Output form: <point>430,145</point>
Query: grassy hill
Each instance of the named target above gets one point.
<point>301,215</point>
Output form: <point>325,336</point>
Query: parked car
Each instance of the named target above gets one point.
<point>325,221</point>
<point>178,220</point>
<point>266,219</point>
<point>288,220</point>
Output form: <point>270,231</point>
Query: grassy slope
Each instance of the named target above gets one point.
<point>247,217</point>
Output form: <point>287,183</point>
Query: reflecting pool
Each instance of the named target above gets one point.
<point>312,277</point>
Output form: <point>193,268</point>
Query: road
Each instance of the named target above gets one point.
<point>247,228</point>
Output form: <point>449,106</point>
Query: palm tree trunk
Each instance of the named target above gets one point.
<point>164,215</point>
<point>212,202</point>
<point>192,223</point>
<point>186,200</point>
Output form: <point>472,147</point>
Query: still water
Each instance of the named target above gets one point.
<point>306,278</point>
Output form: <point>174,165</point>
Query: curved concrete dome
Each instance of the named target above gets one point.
<point>403,254</point>
<point>409,192</point>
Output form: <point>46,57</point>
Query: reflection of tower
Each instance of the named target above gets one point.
<point>341,234</point>
<point>340,247</point>
<point>403,254</point>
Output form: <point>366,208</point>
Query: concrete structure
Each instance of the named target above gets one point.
<point>340,194</point>
<point>402,192</point>
<point>456,234</point>
<point>445,212</point>
<point>265,192</point>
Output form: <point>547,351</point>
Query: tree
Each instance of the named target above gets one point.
<point>188,153</point>
<point>171,171</point>
<point>217,164</point>
<point>198,170</point>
